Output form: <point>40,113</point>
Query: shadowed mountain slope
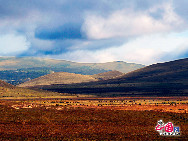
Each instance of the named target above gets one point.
<point>172,71</point>
<point>162,79</point>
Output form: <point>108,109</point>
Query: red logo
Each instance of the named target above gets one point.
<point>167,129</point>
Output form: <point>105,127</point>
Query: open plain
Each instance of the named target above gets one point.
<point>92,118</point>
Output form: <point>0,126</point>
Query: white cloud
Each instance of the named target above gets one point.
<point>13,44</point>
<point>128,23</point>
<point>144,50</point>
<point>86,56</point>
<point>150,49</point>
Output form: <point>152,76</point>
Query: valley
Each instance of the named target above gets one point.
<point>86,70</point>
<point>109,105</point>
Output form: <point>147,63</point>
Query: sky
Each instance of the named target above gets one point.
<point>134,31</point>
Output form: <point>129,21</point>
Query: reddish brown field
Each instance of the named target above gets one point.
<point>162,104</point>
<point>59,120</point>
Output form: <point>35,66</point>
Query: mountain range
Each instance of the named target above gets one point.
<point>18,70</point>
<point>162,79</point>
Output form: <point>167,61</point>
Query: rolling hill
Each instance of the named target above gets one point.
<point>58,78</point>
<point>18,70</point>
<point>162,79</point>
<point>68,78</point>
<point>10,91</point>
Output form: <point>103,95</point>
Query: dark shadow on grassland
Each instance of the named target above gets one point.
<point>137,89</point>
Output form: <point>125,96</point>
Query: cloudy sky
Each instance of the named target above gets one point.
<point>139,31</point>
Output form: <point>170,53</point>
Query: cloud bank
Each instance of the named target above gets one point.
<point>127,23</point>
<point>140,31</point>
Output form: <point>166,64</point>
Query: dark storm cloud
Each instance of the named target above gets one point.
<point>67,31</point>
<point>58,47</point>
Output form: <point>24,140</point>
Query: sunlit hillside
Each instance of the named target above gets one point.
<point>10,91</point>
<point>58,78</point>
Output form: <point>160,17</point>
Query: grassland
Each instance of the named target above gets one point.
<point>15,92</point>
<point>91,118</point>
<point>10,92</point>
<point>162,104</point>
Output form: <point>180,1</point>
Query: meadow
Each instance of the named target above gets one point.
<point>84,119</point>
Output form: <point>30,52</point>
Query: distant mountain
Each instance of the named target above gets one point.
<point>162,79</point>
<point>18,70</point>
<point>107,75</point>
<point>116,65</point>
<point>58,78</point>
